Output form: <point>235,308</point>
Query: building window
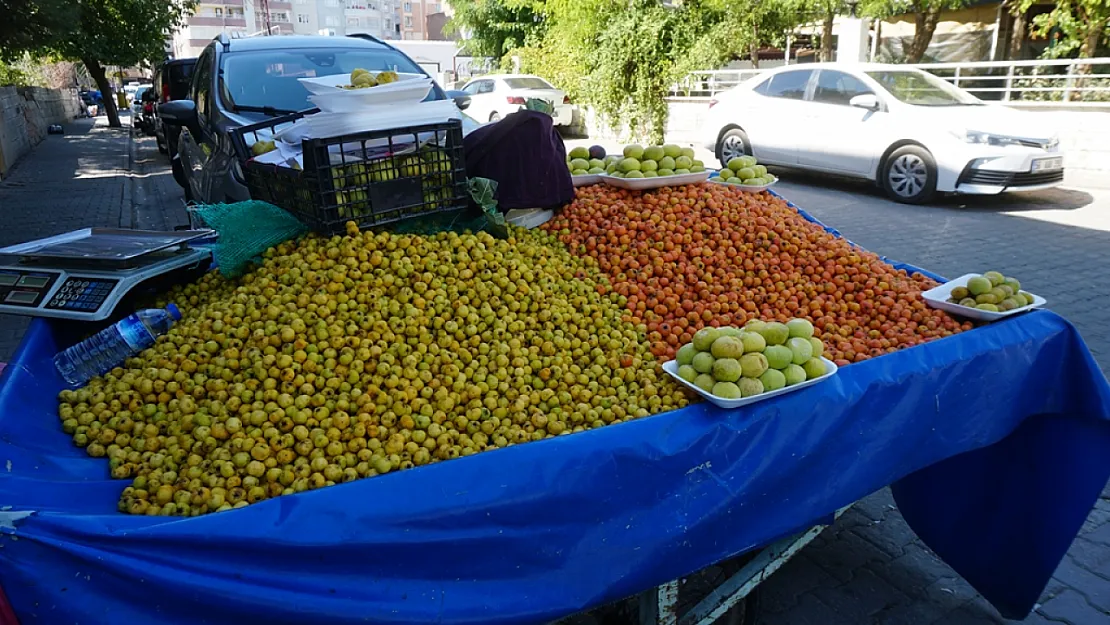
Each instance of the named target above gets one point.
<point>408,7</point>
<point>219,12</point>
<point>331,3</point>
<point>439,8</point>
<point>279,16</point>
<point>408,22</point>
<point>331,20</point>
<point>302,18</point>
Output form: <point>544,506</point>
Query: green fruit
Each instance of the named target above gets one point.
<point>665,172</point>
<point>727,347</point>
<point>1000,293</point>
<point>753,365</point>
<point>654,153</point>
<point>1008,304</point>
<point>754,325</point>
<point>987,298</point>
<point>968,301</point>
<point>650,174</point>
<point>704,338</point>
<point>629,164</point>
<point>579,163</point>
<point>705,382</point>
<point>596,162</point>
<point>648,165</point>
<point>681,172</point>
<point>579,152</point>
<point>802,349</point>
<point>579,172</point>
<point>995,277</point>
<point>959,293</point>
<point>979,285</point>
<point>794,374</point>
<point>734,180</point>
<point>778,356</point>
<point>634,151</point>
<point>616,174</point>
<point>703,362</point>
<point>753,342</point>
<point>760,170</point>
<point>672,150</point>
<point>818,347</point>
<point>726,370</point>
<point>745,173</point>
<point>814,368</point>
<point>775,333</point>
<point>685,354</point>
<point>726,390</point>
<point>750,387</point>
<point>1014,285</point>
<point>262,147</point>
<point>1021,300</point>
<point>683,162</point>
<point>725,174</point>
<point>696,169</point>
<point>737,163</point>
<point>987,307</point>
<point>698,163</point>
<point>800,327</point>
<point>596,170</point>
<point>687,152</point>
<point>666,163</point>
<point>730,331</point>
<point>772,380</point>
<point>635,174</point>
<point>688,373</point>
<point>749,161</point>
<point>1028,297</point>
<point>613,158</point>
<point>610,168</point>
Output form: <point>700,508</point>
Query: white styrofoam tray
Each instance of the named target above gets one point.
<point>334,83</point>
<point>937,297</point>
<point>745,187</point>
<point>586,179</point>
<point>643,184</point>
<point>529,217</point>
<point>671,367</point>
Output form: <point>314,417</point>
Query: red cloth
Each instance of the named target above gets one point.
<point>7,616</point>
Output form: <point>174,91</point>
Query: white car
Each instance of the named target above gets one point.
<point>495,96</point>
<point>911,132</point>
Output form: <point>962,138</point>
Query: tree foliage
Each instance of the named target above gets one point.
<point>926,14</point>
<point>1077,27</point>
<point>495,27</point>
<point>95,32</point>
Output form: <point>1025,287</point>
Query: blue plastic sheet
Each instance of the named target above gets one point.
<point>997,442</point>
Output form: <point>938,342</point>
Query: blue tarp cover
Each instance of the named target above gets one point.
<point>997,442</point>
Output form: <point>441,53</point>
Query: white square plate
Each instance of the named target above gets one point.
<point>745,187</point>
<point>937,297</point>
<point>586,179</point>
<point>671,367</point>
<point>658,182</point>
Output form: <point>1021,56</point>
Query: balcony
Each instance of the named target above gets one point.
<point>215,20</point>
<point>281,6</point>
<point>230,3</point>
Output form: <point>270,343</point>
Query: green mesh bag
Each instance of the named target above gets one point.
<point>246,229</point>
<point>484,218</point>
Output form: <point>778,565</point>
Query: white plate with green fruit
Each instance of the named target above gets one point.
<point>984,297</point>
<point>734,367</point>
<point>586,164</point>
<point>640,168</point>
<point>745,173</point>
<point>655,182</point>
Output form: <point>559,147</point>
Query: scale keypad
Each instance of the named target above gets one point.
<point>82,294</point>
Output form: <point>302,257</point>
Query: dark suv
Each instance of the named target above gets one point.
<point>172,81</point>
<point>242,81</point>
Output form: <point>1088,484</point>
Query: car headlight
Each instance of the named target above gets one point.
<point>984,138</point>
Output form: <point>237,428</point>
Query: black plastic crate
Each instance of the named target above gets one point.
<point>371,178</point>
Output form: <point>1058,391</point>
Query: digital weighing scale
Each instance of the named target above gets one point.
<point>82,275</point>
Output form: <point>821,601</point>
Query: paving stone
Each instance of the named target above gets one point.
<point>915,572</point>
<point>842,557</point>
<point>864,596</point>
<point>1093,556</point>
<point>803,576</point>
<point>810,611</point>
<point>891,535</point>
<point>1070,607</point>
<point>1095,588</point>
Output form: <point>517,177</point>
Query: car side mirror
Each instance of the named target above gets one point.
<point>461,98</point>
<point>865,101</point>
<point>180,113</point>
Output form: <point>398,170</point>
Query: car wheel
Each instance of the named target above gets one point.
<point>494,116</point>
<point>732,144</point>
<point>910,175</point>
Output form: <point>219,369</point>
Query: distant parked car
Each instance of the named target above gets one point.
<point>242,81</point>
<point>172,81</point>
<point>495,96</point>
<point>909,131</point>
<point>137,100</point>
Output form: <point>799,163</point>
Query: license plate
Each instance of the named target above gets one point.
<point>1048,164</point>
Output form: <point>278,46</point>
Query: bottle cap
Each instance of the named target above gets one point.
<point>174,312</point>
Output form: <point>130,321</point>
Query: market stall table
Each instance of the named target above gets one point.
<point>995,441</point>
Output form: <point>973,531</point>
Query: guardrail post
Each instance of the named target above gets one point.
<point>957,77</point>
<point>1009,83</point>
<point>1069,83</point>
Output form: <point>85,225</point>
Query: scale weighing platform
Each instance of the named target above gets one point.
<point>83,275</point>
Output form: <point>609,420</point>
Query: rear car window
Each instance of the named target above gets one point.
<point>789,85</point>
<point>179,76</point>
<point>530,82</point>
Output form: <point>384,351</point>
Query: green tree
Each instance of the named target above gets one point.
<point>27,24</point>
<point>1079,27</point>
<point>926,14</point>
<point>99,33</point>
<point>495,27</point>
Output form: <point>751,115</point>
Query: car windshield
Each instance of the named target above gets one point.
<point>268,78</point>
<point>528,82</point>
<point>923,89</point>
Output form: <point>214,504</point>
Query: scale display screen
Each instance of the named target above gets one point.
<point>34,282</point>
<point>8,279</point>
<point>22,297</point>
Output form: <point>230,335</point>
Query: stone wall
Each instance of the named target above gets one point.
<point>25,113</point>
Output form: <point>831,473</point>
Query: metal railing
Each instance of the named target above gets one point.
<point>1057,82</point>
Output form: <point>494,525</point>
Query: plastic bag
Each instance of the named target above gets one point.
<point>246,229</point>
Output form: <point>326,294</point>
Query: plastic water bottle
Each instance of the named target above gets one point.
<point>108,348</point>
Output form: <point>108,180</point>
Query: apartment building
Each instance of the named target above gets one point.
<point>413,17</point>
<point>304,17</point>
